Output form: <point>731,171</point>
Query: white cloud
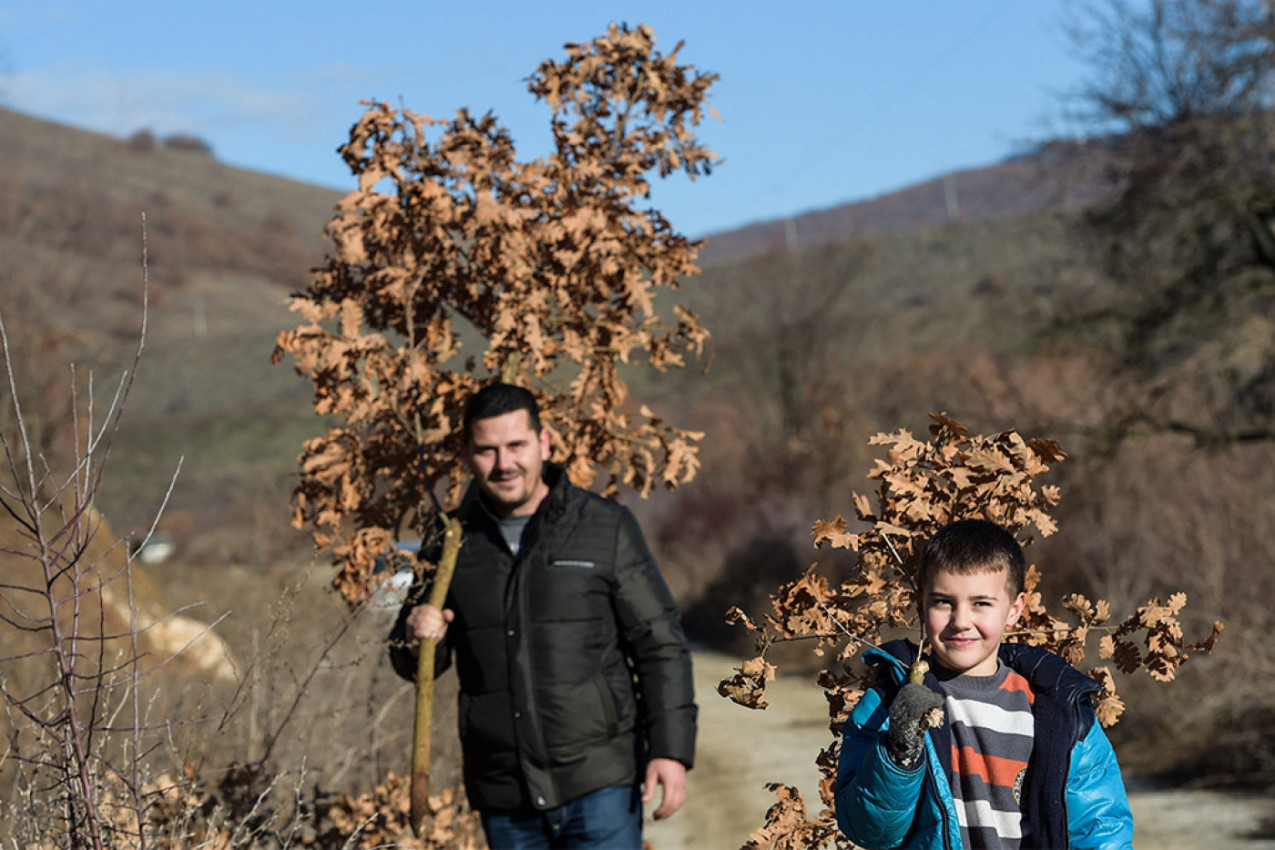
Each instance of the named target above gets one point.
<point>120,103</point>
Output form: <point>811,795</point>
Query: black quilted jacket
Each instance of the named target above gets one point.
<point>572,662</point>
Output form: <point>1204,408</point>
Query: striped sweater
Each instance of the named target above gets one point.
<point>992,732</point>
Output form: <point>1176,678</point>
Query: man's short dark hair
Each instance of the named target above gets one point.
<point>498,399</point>
<point>971,546</point>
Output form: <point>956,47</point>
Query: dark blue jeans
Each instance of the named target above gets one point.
<point>607,819</point>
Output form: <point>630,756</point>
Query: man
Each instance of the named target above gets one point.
<point>576,697</point>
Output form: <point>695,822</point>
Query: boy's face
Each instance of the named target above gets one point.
<point>965,618</point>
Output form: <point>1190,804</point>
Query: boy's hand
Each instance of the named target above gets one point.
<point>915,709</point>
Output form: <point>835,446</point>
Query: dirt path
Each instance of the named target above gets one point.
<point>740,750</point>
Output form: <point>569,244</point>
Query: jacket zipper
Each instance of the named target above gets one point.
<point>943,819</point>
<point>931,773</point>
<point>1074,741</point>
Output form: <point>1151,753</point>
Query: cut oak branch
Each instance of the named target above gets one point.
<point>452,535</point>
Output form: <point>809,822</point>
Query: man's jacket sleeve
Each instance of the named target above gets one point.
<point>1098,814</point>
<point>652,631</point>
<point>875,799</point>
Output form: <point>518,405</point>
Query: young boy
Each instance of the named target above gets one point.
<point>1018,760</point>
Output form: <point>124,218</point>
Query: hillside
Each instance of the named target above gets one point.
<point>965,294</point>
<point>1058,176</point>
<point>224,248</point>
<point>81,196</point>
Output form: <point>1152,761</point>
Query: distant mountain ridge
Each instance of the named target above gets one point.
<point>1061,175</point>
<point>36,153</point>
<point>225,247</point>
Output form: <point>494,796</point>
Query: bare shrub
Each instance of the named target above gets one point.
<point>143,141</point>
<point>129,723</point>
<point>187,143</point>
<point>80,640</point>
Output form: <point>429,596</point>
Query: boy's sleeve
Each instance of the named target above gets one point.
<point>1098,814</point>
<point>875,799</point>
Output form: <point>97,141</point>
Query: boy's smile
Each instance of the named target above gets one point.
<point>966,616</point>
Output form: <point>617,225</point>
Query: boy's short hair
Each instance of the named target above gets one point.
<point>498,399</point>
<point>971,546</point>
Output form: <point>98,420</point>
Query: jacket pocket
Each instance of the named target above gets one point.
<point>568,562</point>
<point>609,711</point>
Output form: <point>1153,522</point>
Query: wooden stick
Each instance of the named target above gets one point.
<point>452,535</point>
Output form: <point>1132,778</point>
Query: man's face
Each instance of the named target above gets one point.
<point>506,457</point>
<point>965,618</point>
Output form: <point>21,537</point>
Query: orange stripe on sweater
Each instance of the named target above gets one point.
<point>994,771</point>
<point>1015,682</point>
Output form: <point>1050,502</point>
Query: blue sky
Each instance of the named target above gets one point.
<point>820,101</point>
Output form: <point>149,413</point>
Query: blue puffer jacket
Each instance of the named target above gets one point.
<point>1074,796</point>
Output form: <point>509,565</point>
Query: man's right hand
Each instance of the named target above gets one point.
<point>425,622</point>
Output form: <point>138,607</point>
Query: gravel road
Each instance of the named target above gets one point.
<point>740,750</point>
